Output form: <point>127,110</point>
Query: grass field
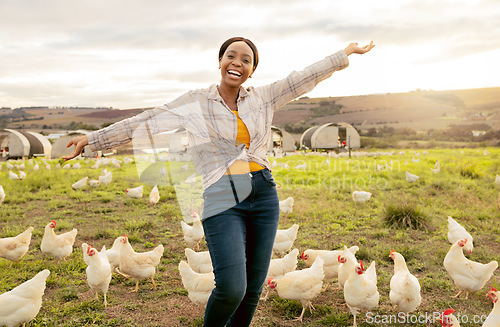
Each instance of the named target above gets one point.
<point>464,189</point>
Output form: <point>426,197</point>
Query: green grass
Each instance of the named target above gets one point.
<point>410,218</point>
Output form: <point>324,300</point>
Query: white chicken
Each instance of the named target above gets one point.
<point>301,285</point>
<point>330,261</point>
<point>493,319</point>
<point>436,170</point>
<point>22,175</point>
<point>199,286</point>
<point>57,246</point>
<point>347,261</point>
<point>96,164</point>
<point>497,180</point>
<point>139,265</point>
<point>281,266</point>
<point>284,239</point>
<point>13,175</point>
<point>360,289</point>
<point>193,234</point>
<point>98,271</point>
<point>22,304</point>
<point>106,178</point>
<point>200,262</point>
<point>410,178</point>
<point>448,319</point>
<point>94,183</point>
<point>405,288</point>
<point>361,196</point>
<point>154,196</point>
<point>76,166</point>
<point>14,248</point>
<point>2,194</point>
<point>457,232</point>
<point>135,193</point>
<point>113,255</point>
<point>467,275</point>
<point>80,184</point>
<point>286,206</point>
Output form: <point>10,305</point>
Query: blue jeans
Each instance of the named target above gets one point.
<point>240,241</point>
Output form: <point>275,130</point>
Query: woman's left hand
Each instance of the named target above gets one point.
<point>354,48</point>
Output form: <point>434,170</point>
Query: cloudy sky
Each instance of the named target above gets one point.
<point>129,54</point>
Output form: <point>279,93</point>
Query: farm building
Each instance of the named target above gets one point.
<point>17,144</point>
<point>59,148</point>
<point>330,136</point>
<point>281,141</point>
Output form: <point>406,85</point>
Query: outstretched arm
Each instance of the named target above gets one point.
<point>354,48</point>
<point>79,142</point>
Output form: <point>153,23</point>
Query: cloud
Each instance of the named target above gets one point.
<point>56,50</point>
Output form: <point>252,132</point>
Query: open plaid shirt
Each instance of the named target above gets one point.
<point>212,127</point>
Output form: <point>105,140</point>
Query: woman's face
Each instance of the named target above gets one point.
<point>236,64</point>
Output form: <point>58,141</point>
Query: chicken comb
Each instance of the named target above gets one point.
<point>338,258</point>
<point>302,255</point>
<point>493,289</point>
<point>88,248</point>
<point>361,264</point>
<point>448,312</point>
<point>269,281</point>
<point>53,221</point>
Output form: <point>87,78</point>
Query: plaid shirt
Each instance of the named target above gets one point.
<point>212,127</point>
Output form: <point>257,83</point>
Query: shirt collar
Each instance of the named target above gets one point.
<point>213,93</point>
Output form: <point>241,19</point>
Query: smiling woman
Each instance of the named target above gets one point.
<point>229,129</point>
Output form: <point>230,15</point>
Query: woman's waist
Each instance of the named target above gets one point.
<point>242,167</point>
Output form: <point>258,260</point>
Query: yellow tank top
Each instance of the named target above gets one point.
<point>242,137</point>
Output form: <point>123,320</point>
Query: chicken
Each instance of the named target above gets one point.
<point>467,275</point>
<point>279,267</point>
<point>139,265</point>
<point>135,193</point>
<point>300,285</point>
<point>94,183</point>
<point>199,286</point>
<point>13,175</point>
<point>286,207</point>
<point>22,304</point>
<point>96,164</point>
<point>436,170</point>
<point>448,319</point>
<point>80,184</point>
<point>493,319</point>
<point>301,166</point>
<point>361,196</point>
<point>14,248</point>
<point>405,288</point>
<point>200,262</point>
<point>22,175</point>
<point>360,289</point>
<point>2,194</point>
<point>284,239</point>
<point>76,166</point>
<point>347,261</point>
<point>331,263</point>
<point>57,246</point>
<point>66,166</point>
<point>106,178</point>
<point>457,232</point>
<point>98,270</point>
<point>193,234</point>
<point>411,178</point>
<point>154,196</point>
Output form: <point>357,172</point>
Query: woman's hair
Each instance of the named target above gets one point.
<point>252,46</point>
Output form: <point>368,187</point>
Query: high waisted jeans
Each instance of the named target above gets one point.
<point>240,241</point>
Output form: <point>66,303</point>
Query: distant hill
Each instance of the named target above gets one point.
<point>418,109</point>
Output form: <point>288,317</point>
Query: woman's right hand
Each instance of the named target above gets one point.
<point>79,142</point>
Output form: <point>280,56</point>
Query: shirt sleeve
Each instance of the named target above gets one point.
<point>300,82</point>
<point>150,122</point>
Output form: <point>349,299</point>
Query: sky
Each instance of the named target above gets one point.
<point>134,54</point>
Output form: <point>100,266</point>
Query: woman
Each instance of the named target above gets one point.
<point>229,128</point>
